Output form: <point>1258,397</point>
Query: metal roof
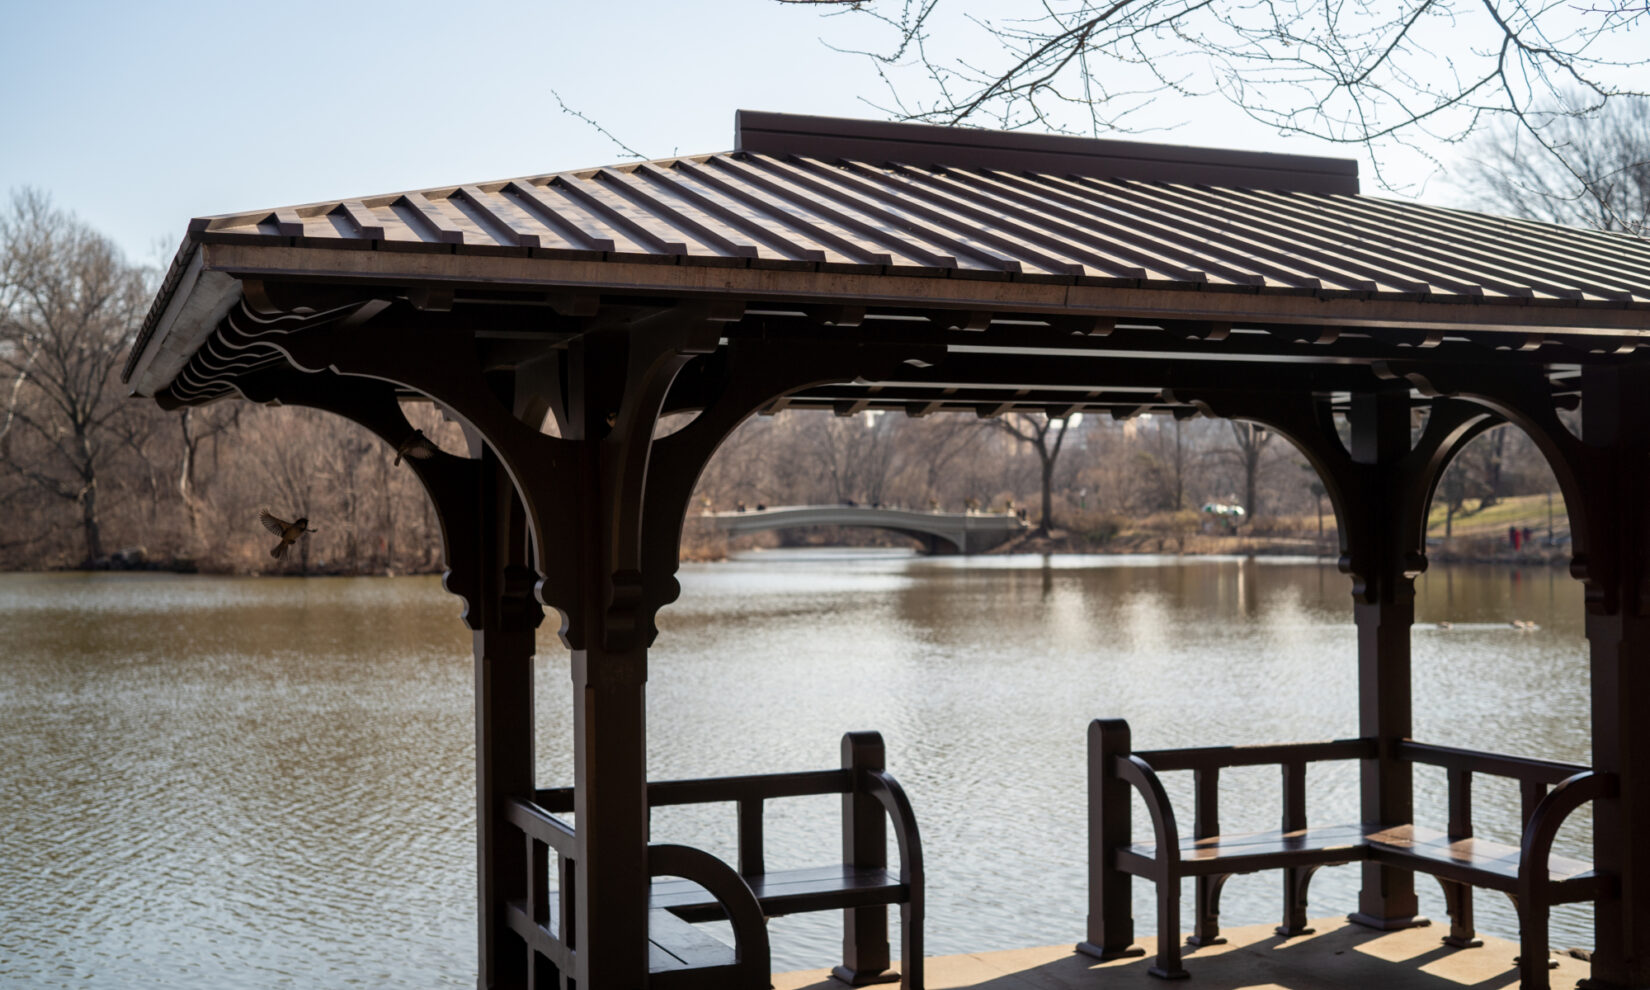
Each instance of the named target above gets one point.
<point>755,209</point>
<point>965,204</point>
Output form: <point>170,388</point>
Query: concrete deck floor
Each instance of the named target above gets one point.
<point>1339,956</point>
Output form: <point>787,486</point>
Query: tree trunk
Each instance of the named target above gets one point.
<point>1179,467</point>
<point>88,522</point>
<point>1492,470</point>
<point>1251,469</point>
<point>186,479</point>
<point>1048,494</point>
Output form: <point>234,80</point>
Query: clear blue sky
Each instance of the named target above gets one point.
<point>138,116</point>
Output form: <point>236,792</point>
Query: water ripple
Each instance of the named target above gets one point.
<point>217,782</point>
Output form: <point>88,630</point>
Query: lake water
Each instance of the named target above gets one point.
<point>268,782</point>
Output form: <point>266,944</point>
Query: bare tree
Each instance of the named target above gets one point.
<point>198,427</point>
<point>1414,72</point>
<point>69,306</point>
<point>1034,431</point>
<point>1159,457</point>
<point>1249,442</point>
<point>291,459</point>
<point>941,442</point>
<point>1602,181</point>
<point>857,457</point>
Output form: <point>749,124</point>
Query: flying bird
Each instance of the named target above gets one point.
<point>416,445</point>
<point>289,532</point>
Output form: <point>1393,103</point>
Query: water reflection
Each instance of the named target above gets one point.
<point>268,782</point>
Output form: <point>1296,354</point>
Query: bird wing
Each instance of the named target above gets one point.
<point>272,522</point>
<point>421,449</point>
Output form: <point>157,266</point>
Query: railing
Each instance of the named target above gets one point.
<point>1115,769</point>
<point>747,793</point>
<point>1534,777</point>
<point>872,800</point>
<point>1205,763</point>
<point>549,934</point>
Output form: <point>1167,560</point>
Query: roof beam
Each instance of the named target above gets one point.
<point>765,286</point>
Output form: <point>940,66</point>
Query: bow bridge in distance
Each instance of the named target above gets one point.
<point>940,532</point>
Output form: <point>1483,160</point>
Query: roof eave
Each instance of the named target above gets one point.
<point>192,302</point>
<point>398,268</point>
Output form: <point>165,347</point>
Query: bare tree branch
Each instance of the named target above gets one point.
<point>1599,176</point>
<point>604,132</point>
<point>1413,73</point>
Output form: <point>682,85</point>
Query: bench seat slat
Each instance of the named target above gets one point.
<point>788,891</point>
<point>1475,861</point>
<point>1248,852</point>
<point>1480,862</point>
<point>675,944</point>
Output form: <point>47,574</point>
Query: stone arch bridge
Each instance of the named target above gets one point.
<point>940,532</point>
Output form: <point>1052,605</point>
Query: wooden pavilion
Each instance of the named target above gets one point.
<point>853,265</point>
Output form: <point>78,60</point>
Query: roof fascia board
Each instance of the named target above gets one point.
<point>199,301</point>
<point>759,132</point>
<point>404,267</point>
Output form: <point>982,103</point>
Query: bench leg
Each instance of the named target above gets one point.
<point>1168,931</point>
<point>1534,954</point>
<point>1458,902</point>
<point>910,937</point>
<point>1111,915</point>
<point>865,947</point>
<point>1206,921</point>
<point>1296,879</point>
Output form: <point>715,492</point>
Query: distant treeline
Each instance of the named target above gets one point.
<point>92,477</point>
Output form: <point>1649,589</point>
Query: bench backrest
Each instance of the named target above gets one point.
<point>1535,777</point>
<point>868,793</point>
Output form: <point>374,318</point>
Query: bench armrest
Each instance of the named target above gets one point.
<point>887,790</point>
<point>750,929</point>
<point>1544,823</point>
<point>1138,772</point>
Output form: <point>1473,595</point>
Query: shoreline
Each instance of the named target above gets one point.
<point>1059,544</point>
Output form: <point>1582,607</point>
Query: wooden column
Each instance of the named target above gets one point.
<point>613,384</point>
<point>1615,420</point>
<point>1384,610</point>
<point>503,620</point>
<point>610,805</point>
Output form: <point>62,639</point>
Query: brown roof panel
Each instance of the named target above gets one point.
<point>901,199</point>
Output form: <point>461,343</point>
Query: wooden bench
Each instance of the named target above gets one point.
<point>861,885</point>
<point>680,957</point>
<point>1529,873</point>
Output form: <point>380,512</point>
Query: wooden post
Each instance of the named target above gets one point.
<point>865,953</point>
<point>1384,610</point>
<point>1111,909</point>
<point>1295,878</point>
<point>609,661</point>
<point>1205,825</point>
<point>503,621</point>
<point>1615,411</point>
<point>1458,896</point>
<point>610,808</point>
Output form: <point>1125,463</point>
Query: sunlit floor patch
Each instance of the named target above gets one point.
<point>1340,955</point>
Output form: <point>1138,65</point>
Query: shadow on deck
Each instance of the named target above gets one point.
<point>1340,956</point>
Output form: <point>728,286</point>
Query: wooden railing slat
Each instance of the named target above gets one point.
<point>1522,768</point>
